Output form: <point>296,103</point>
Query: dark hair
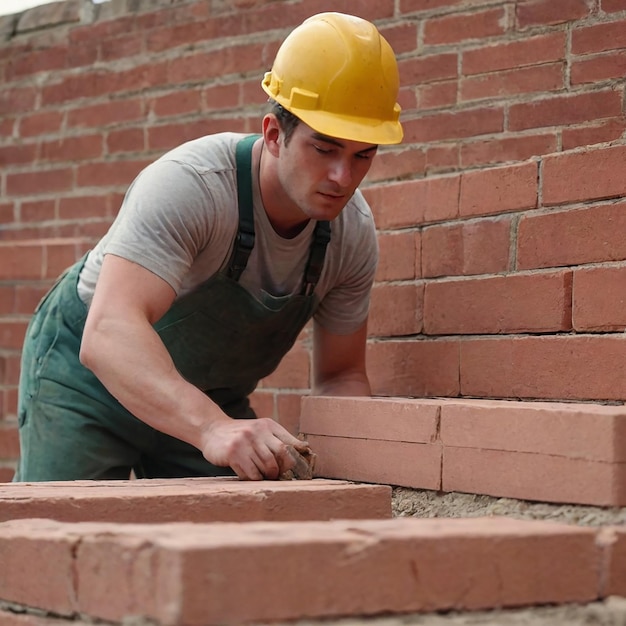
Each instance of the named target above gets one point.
<point>287,120</point>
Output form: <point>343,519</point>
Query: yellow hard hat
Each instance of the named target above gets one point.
<point>339,75</point>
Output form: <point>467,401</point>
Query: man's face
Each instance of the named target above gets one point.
<point>319,174</point>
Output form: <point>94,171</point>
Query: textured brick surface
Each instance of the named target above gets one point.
<point>197,575</point>
<point>555,452</point>
<point>377,461</point>
<point>193,500</point>
<point>530,476</point>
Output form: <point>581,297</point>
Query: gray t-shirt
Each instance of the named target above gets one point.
<point>179,219</point>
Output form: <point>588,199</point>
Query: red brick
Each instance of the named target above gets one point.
<point>126,140</point>
<point>599,302</point>
<point>396,310</point>
<point>454,125</point>
<point>599,37</point>
<point>27,296</point>
<point>38,259</point>
<point>414,368</point>
<point>497,190</point>
<point>293,371</point>
<point>587,135</point>
<point>222,97</point>
<point>40,123</point>
<point>21,262</point>
<point>476,247</point>
<point>17,99</point>
<point>524,80</point>
<point>108,173</point>
<point>599,68</point>
<point>529,476</point>
<point>428,68</point>
<point>105,114</point>
<point>436,95</point>
<point>193,500</point>
<point>81,207</point>
<point>501,304</point>
<point>398,253</point>
<point>575,236</point>
<point>9,441</point>
<point>454,28</point>
<point>232,59</point>
<point>121,47</point>
<point>177,103</point>
<point>514,54</point>
<point>400,463</point>
<point>18,154</point>
<point>38,565</point>
<point>45,181</point>
<point>167,573</point>
<point>442,158</point>
<point>613,540</point>
<point>401,37</point>
<point>589,432</point>
<point>396,164</point>
<point>6,476</point>
<point>38,211</point>
<point>538,12</point>
<point>72,149</point>
<point>387,419</point>
<point>288,410</point>
<point>168,136</point>
<point>414,202</point>
<point>501,150</point>
<point>565,110</point>
<point>611,6</point>
<point>559,367</point>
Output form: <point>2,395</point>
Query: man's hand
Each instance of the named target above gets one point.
<point>255,449</point>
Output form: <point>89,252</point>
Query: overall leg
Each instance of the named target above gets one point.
<point>63,435</point>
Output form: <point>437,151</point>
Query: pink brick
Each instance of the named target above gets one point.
<point>501,304</point>
<point>586,175</point>
<point>377,461</point>
<point>498,190</point>
<point>562,367</point>
<point>389,419</point>
<point>414,368</point>
<point>396,310</point>
<point>408,204</point>
<point>199,575</point>
<point>193,500</point>
<point>38,565</point>
<point>613,540</point>
<point>599,301</point>
<point>468,247</point>
<point>530,476</point>
<point>580,431</point>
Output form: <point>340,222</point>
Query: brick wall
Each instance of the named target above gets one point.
<point>501,216</point>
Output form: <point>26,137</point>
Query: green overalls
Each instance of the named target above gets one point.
<point>221,339</point>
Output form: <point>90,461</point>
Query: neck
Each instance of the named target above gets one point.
<point>279,208</point>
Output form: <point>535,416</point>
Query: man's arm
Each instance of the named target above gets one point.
<point>124,351</point>
<point>339,363</point>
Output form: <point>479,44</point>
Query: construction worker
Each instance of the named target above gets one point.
<point>143,355</point>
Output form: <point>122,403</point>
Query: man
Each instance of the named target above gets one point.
<point>143,355</point>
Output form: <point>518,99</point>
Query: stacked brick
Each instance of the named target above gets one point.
<point>266,570</point>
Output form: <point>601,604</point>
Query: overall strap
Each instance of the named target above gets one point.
<point>244,241</point>
<point>245,235</point>
<point>313,271</point>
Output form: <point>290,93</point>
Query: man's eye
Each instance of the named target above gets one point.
<point>322,150</point>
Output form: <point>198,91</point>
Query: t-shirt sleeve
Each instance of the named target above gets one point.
<point>167,217</point>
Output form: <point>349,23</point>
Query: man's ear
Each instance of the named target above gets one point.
<point>272,134</point>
